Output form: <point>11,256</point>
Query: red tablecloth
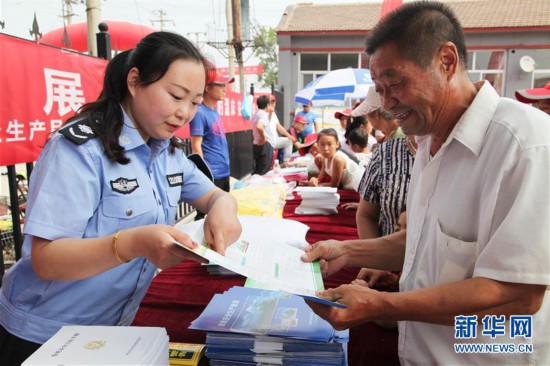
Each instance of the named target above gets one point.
<point>179,294</point>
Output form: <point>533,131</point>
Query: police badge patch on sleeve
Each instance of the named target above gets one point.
<point>175,180</point>
<point>78,132</point>
<point>124,185</point>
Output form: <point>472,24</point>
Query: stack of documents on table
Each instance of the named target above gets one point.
<point>252,326</point>
<point>103,345</point>
<point>317,201</point>
<point>290,174</point>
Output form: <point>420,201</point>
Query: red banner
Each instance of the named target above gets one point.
<point>231,113</point>
<point>40,87</point>
<point>247,70</point>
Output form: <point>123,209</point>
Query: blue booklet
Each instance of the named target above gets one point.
<point>232,342</point>
<point>263,312</point>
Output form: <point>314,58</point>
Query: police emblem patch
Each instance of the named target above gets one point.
<point>124,140</point>
<point>124,185</point>
<point>175,180</point>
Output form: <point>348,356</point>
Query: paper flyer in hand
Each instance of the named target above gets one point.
<point>279,268</point>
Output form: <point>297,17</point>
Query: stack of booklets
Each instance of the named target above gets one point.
<point>103,345</point>
<point>249,326</point>
<point>317,201</point>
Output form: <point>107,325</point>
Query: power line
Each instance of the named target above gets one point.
<point>161,19</point>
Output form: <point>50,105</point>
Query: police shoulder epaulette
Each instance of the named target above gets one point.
<point>79,132</point>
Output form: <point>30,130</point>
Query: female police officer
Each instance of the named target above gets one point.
<point>103,197</point>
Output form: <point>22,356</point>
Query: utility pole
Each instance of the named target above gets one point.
<point>161,19</point>
<point>197,37</point>
<point>68,13</point>
<point>230,41</point>
<point>237,41</point>
<point>93,16</point>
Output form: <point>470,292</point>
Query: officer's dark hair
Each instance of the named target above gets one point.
<point>152,56</point>
<point>419,29</point>
<point>263,101</point>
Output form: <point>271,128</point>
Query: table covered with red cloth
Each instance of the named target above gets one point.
<point>179,294</point>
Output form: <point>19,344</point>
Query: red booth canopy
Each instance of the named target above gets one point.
<point>124,35</point>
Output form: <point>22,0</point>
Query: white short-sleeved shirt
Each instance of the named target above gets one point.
<point>352,174</point>
<point>77,192</point>
<point>480,208</point>
<point>262,117</point>
<point>271,132</point>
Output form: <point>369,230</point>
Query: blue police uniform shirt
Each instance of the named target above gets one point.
<point>311,117</point>
<point>77,192</point>
<point>208,124</point>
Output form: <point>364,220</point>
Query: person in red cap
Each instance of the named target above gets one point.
<point>309,148</point>
<point>311,117</point>
<point>343,117</point>
<point>539,96</point>
<point>296,130</point>
<point>207,131</point>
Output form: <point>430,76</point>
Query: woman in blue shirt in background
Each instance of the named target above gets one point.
<point>103,198</point>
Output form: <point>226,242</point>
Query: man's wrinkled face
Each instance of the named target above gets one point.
<point>414,96</point>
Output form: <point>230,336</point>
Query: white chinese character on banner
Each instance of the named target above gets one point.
<point>232,107</point>
<point>55,124</point>
<point>63,88</point>
<point>226,107</point>
<point>15,130</point>
<point>36,126</point>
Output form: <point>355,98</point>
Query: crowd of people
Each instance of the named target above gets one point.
<point>451,218</point>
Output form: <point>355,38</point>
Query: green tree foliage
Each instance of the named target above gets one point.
<point>265,48</point>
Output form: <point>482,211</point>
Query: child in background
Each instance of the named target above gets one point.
<point>345,122</point>
<point>308,149</point>
<point>358,140</point>
<point>336,166</point>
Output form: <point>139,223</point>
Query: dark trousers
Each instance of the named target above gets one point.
<point>223,184</point>
<point>263,157</point>
<point>14,350</point>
